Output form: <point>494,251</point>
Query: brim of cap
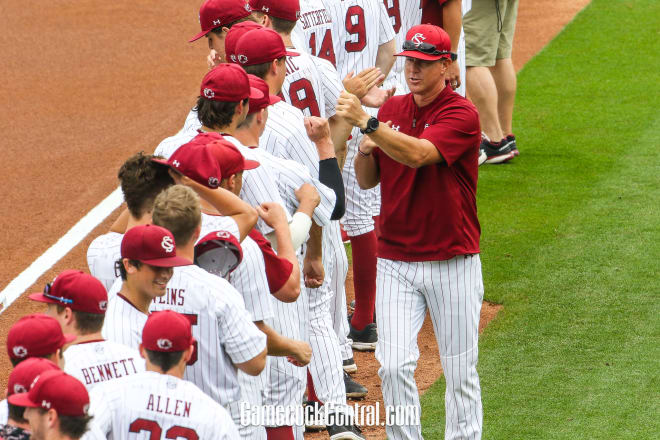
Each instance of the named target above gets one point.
<point>160,161</point>
<point>168,262</point>
<point>41,298</point>
<point>273,99</point>
<point>290,53</point>
<point>255,93</point>
<point>198,36</point>
<point>22,399</point>
<point>250,164</point>
<point>421,56</point>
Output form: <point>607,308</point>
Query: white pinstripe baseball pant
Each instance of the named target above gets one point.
<point>452,291</point>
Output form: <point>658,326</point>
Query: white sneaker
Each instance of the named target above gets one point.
<point>482,157</point>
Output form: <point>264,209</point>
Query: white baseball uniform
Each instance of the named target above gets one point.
<point>258,184</point>
<point>123,322</point>
<point>4,411</point>
<point>224,332</point>
<point>156,406</point>
<point>102,254</point>
<point>313,32</point>
<point>99,361</point>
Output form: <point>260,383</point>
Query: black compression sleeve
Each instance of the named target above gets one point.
<point>330,176</point>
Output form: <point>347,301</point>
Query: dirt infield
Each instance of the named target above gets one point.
<point>87,84</point>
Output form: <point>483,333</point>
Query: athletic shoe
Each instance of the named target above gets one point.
<point>482,157</point>
<point>365,339</point>
<point>348,432</point>
<point>353,389</point>
<point>350,366</point>
<point>314,422</point>
<point>511,139</point>
<point>496,153</point>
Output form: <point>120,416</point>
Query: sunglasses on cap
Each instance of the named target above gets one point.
<point>427,48</point>
<point>61,299</point>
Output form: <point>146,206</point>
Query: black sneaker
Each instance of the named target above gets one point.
<point>350,366</point>
<point>363,340</point>
<point>511,139</point>
<point>349,432</point>
<point>315,420</point>
<point>496,152</point>
<point>353,389</point>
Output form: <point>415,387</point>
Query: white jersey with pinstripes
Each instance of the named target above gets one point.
<point>154,405</point>
<point>404,14</point>
<point>97,362</point>
<point>312,85</point>
<point>4,411</point>
<point>102,254</point>
<point>123,322</point>
<point>313,32</point>
<point>223,329</point>
<point>258,184</point>
<point>362,26</point>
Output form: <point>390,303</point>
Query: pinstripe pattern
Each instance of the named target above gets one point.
<point>258,184</point>
<point>452,291</point>
<point>102,253</point>
<point>313,29</point>
<point>338,286</point>
<point>123,322</point>
<point>166,400</point>
<point>93,363</point>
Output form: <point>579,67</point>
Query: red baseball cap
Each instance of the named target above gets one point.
<point>427,42</point>
<point>168,331</point>
<point>75,289</point>
<point>23,374</point>
<point>217,13</point>
<point>261,46</point>
<point>54,389</point>
<point>234,34</point>
<point>218,252</point>
<point>152,245</point>
<point>284,9</point>
<point>227,82</point>
<point>229,159</point>
<point>36,335</point>
<point>261,103</point>
<point>195,161</point>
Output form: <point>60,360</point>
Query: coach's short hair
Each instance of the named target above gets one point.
<point>164,360</point>
<point>216,114</point>
<point>141,181</point>
<point>86,323</point>
<point>260,70</point>
<point>178,210</point>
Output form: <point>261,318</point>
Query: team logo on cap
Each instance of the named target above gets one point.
<point>248,8</point>
<point>45,404</point>
<point>209,93</point>
<point>217,22</point>
<point>176,163</point>
<point>20,351</point>
<point>167,244</point>
<point>213,182</point>
<point>103,305</point>
<point>265,8</point>
<point>18,388</point>
<point>233,57</point>
<point>242,59</point>
<point>223,234</point>
<point>164,344</point>
<point>418,39</point>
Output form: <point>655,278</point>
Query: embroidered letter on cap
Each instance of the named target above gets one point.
<point>20,351</point>
<point>417,39</point>
<point>164,344</point>
<point>167,244</point>
<point>242,59</point>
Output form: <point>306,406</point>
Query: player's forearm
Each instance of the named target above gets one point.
<point>340,131</point>
<point>408,150</point>
<point>385,57</point>
<point>231,205</point>
<point>276,344</point>
<point>254,366</point>
<point>366,171</point>
<point>315,243</point>
<point>452,20</point>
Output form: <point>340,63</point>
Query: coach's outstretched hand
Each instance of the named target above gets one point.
<point>350,108</point>
<point>364,81</point>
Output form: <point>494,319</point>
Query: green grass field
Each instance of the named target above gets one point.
<point>571,241</point>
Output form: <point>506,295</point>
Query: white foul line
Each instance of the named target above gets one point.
<point>63,246</point>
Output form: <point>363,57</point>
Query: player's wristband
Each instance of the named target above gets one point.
<point>363,153</point>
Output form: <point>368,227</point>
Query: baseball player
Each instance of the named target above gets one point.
<point>55,406</point>
<point>141,180</point>
<point>37,335</point>
<point>148,254</point>
<point>353,21</point>
<point>79,301</point>
<point>426,163</point>
<point>159,403</point>
<point>313,32</point>
<point>12,423</point>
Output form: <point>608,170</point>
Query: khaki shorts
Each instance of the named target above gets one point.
<point>488,37</point>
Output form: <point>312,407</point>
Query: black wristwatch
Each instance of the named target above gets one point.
<point>372,125</point>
